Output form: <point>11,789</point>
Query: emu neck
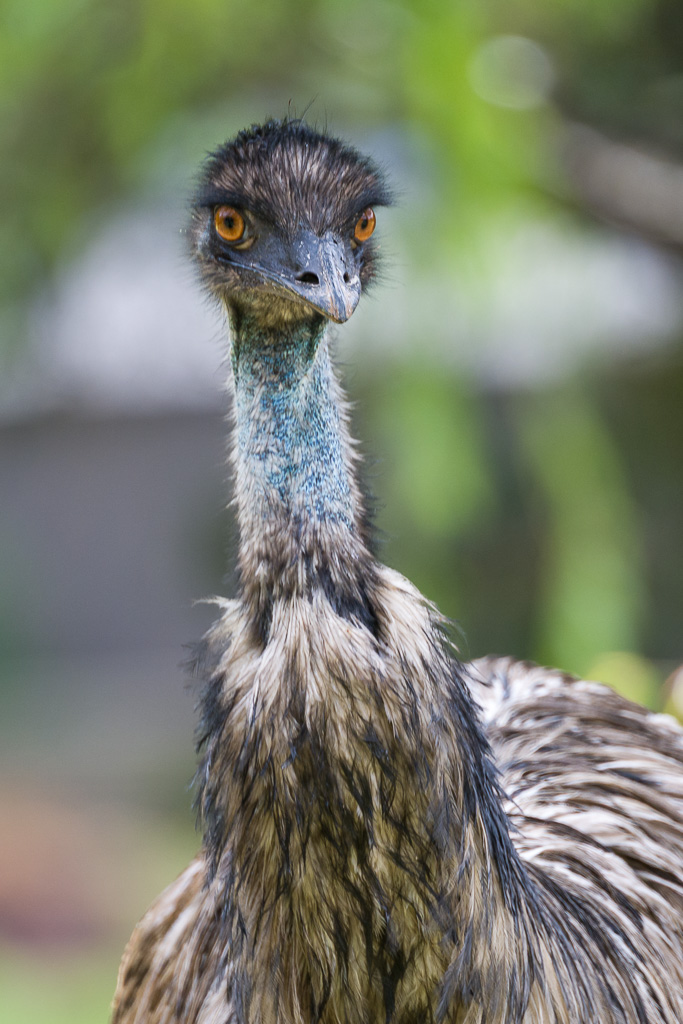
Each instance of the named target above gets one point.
<point>289,435</point>
<point>295,488</point>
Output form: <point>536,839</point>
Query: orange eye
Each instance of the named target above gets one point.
<point>229,223</point>
<point>365,226</point>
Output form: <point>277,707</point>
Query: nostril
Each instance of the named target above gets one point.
<point>308,278</point>
<point>347,279</point>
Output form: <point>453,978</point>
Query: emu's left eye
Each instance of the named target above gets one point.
<point>229,223</point>
<point>365,225</point>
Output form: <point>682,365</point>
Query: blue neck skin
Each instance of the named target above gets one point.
<point>292,449</point>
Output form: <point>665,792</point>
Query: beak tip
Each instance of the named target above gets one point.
<point>340,316</point>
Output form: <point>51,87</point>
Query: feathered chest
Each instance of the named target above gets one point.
<point>317,793</point>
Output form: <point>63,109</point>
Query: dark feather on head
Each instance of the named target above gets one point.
<point>292,175</point>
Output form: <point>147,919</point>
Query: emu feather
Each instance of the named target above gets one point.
<point>389,836</point>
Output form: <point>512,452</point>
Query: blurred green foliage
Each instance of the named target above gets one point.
<point>591,589</point>
<point>74,988</point>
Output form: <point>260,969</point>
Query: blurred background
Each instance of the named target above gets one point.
<point>518,376</point>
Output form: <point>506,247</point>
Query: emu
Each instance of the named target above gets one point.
<point>389,835</point>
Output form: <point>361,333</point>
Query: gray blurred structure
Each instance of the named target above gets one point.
<point>114,484</point>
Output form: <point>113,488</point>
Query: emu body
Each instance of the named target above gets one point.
<point>377,848</point>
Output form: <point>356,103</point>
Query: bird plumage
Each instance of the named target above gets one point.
<point>388,835</point>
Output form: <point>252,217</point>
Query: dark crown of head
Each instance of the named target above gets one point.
<point>292,175</point>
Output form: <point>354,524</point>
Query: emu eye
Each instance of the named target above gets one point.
<point>229,223</point>
<point>365,225</point>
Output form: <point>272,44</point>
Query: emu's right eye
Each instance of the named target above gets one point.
<point>229,223</point>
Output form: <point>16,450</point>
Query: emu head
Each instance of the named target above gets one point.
<point>282,223</point>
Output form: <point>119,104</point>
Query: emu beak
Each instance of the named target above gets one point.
<point>321,276</point>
